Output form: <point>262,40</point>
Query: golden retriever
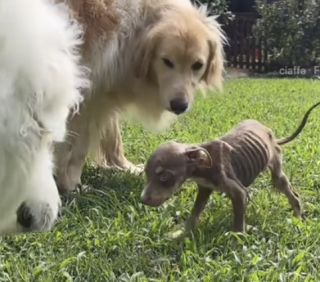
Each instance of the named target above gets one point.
<point>40,80</point>
<point>148,56</point>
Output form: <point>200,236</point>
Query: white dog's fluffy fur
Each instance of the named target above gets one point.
<point>147,55</point>
<point>39,84</point>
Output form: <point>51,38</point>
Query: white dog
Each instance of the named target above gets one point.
<point>40,80</point>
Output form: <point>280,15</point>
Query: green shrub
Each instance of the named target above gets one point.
<point>291,30</point>
<point>218,7</point>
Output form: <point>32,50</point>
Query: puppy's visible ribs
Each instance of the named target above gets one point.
<point>228,164</point>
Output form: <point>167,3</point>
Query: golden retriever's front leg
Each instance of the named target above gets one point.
<point>111,146</point>
<point>70,155</point>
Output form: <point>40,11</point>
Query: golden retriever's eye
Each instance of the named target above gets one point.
<point>168,63</point>
<point>197,66</point>
<point>165,176</point>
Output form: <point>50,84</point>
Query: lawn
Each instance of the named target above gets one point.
<point>108,235</point>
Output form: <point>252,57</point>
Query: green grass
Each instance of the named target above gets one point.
<point>109,235</point>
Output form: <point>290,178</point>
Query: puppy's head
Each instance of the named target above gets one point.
<point>183,49</point>
<point>167,169</point>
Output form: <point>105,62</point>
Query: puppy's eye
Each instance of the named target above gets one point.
<point>197,66</point>
<point>168,63</point>
<point>164,176</point>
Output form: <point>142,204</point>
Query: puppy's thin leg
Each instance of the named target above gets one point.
<point>238,196</point>
<point>198,207</point>
<point>281,182</point>
<point>42,204</point>
<point>71,154</point>
<point>111,146</point>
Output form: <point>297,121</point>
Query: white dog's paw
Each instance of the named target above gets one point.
<point>35,216</point>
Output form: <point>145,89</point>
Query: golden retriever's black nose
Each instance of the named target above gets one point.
<point>178,105</point>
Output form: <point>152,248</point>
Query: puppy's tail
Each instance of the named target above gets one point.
<point>299,129</point>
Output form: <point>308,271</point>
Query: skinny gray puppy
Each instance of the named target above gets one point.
<point>227,164</point>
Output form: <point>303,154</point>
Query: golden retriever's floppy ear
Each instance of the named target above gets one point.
<point>213,75</point>
<point>199,155</point>
<point>144,53</point>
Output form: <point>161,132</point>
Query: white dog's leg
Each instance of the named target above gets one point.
<point>111,147</point>
<point>40,209</point>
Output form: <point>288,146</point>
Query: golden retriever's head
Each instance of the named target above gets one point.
<point>183,49</point>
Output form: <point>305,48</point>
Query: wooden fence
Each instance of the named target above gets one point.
<point>244,50</point>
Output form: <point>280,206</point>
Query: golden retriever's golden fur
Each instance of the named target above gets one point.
<point>149,56</point>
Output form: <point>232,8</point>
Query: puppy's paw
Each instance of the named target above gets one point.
<point>239,231</point>
<point>176,235</point>
<point>179,235</point>
<point>35,216</point>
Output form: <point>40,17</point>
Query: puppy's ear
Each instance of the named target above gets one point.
<point>213,75</point>
<point>200,156</point>
<point>145,53</point>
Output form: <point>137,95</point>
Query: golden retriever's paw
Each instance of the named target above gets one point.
<point>82,188</point>
<point>136,169</point>
<point>126,167</point>
<point>78,189</point>
<point>130,167</point>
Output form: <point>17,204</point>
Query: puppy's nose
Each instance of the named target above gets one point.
<point>145,199</point>
<point>150,201</point>
<point>178,105</point>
